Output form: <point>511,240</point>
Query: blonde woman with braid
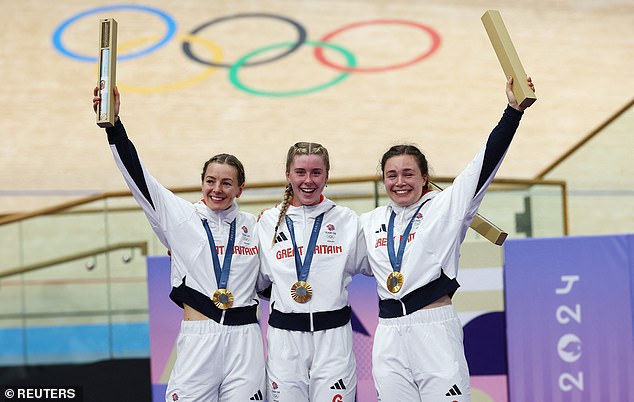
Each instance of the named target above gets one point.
<point>309,249</point>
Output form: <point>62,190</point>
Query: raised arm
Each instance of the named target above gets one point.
<point>501,136</point>
<point>159,204</point>
<point>124,148</point>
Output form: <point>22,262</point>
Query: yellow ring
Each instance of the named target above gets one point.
<point>213,48</point>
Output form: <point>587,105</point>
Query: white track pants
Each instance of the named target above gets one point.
<point>311,366</point>
<point>217,363</point>
<point>420,357</point>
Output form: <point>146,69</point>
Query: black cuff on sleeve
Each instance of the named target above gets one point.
<point>117,133</point>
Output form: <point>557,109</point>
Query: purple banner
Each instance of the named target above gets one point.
<point>569,318</point>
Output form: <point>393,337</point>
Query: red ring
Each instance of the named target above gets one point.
<point>319,51</point>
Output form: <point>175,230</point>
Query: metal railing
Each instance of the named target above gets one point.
<point>69,269</point>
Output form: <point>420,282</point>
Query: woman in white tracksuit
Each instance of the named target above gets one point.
<point>310,248</point>
<point>214,268</point>
<point>413,248</point>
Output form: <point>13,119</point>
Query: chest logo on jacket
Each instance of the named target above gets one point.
<point>245,236</point>
<point>381,229</point>
<point>330,233</point>
<point>281,237</point>
<point>382,241</point>
<point>418,220</point>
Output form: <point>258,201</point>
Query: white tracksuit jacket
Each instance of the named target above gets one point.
<point>339,254</point>
<point>178,224</point>
<point>433,247</point>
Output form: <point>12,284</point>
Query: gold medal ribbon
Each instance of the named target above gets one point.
<point>395,279</point>
<point>223,299</point>
<point>301,291</point>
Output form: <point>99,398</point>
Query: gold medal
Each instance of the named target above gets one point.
<point>223,299</point>
<point>395,282</point>
<point>301,291</point>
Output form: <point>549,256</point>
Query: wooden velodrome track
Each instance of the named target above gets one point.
<point>179,111</point>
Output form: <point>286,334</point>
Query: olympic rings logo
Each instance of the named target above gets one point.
<point>275,51</point>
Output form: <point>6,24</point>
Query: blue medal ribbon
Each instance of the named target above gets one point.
<point>396,260</point>
<point>304,268</point>
<point>222,272</point>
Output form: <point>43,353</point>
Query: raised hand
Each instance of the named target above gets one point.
<point>96,100</point>
<point>509,93</point>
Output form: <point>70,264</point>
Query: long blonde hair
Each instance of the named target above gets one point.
<point>298,149</point>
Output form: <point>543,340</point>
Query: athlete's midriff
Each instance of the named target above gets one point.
<point>191,314</point>
<point>443,301</point>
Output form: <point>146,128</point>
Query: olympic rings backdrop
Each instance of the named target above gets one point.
<point>270,53</point>
<point>325,51</point>
<point>251,78</point>
<point>206,70</point>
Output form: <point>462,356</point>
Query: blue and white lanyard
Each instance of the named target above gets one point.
<point>304,268</point>
<point>396,260</point>
<point>222,272</point>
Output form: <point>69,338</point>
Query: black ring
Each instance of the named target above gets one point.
<point>301,38</point>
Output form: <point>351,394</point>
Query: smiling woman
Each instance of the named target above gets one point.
<point>406,174</point>
<point>415,264</point>
<point>222,181</point>
<point>307,170</point>
<point>220,316</point>
<point>316,250</point>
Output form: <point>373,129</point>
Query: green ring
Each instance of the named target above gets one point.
<point>233,71</point>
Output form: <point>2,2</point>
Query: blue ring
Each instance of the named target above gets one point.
<point>169,21</point>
